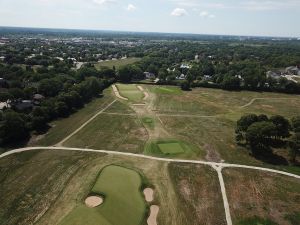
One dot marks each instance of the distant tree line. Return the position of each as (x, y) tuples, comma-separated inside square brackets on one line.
[(64, 93)]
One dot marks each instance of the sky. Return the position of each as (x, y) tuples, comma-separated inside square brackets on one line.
[(229, 17)]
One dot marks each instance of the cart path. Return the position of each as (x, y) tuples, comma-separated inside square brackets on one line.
[(86, 123), (255, 99)]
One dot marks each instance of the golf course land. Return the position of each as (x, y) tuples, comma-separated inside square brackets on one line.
[(123, 202), (116, 63), (179, 144)]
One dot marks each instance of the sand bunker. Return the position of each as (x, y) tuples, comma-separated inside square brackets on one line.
[(93, 201), (148, 192), (117, 93), (146, 95), (153, 215)]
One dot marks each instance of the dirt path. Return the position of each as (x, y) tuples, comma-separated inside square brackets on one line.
[(83, 125), (117, 93), (154, 209), (255, 99)]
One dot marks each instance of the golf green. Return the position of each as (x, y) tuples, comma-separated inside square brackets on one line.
[(123, 201), (171, 148)]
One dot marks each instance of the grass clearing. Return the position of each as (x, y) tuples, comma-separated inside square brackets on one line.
[(167, 90), (110, 132), (199, 194), (123, 202), (170, 148), (131, 92), (268, 196), (116, 63), (63, 127)]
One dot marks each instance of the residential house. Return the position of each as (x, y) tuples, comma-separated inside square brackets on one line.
[(37, 99), (292, 70), (149, 75), (181, 77), (274, 75)]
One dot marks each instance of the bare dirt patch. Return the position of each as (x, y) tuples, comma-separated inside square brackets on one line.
[(154, 209), (117, 93), (93, 201), (211, 154), (148, 192)]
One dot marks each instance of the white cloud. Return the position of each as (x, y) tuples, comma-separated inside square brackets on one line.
[(179, 12), (204, 14), (207, 15), (102, 2), (131, 7)]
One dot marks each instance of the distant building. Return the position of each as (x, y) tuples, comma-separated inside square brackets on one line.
[(4, 105), (23, 105), (207, 77), (185, 66), (37, 99), (274, 75), (181, 77), (149, 75), (292, 70), (2, 58)]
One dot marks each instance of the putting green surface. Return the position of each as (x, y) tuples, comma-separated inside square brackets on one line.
[(131, 92), (171, 148), (123, 200)]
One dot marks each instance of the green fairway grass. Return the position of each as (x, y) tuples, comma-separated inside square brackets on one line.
[(123, 202), (131, 92), (170, 148), (149, 122), (116, 63)]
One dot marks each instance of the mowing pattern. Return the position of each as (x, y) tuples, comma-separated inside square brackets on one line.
[(123, 201)]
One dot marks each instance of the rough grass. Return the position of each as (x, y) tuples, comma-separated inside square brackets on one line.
[(45, 186), (116, 63), (110, 132), (123, 203), (31, 182), (131, 92), (63, 127), (256, 221), (167, 90), (268, 196), (199, 194)]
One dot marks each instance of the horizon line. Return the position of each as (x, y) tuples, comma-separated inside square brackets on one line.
[(150, 32)]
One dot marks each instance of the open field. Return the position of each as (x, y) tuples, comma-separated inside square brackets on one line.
[(121, 133), (123, 201), (253, 195), (199, 194), (54, 183), (116, 63)]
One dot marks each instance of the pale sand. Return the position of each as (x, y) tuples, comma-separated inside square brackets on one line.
[(93, 201), (117, 93), (148, 192), (153, 215), (146, 95)]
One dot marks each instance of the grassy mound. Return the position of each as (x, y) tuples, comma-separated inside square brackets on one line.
[(123, 201)]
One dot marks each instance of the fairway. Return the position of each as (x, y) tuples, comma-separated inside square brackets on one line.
[(116, 63), (131, 92), (123, 201), (170, 148)]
